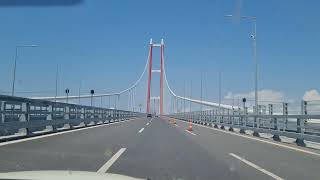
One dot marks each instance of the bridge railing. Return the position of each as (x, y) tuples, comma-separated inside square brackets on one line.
[(302, 126), (29, 116)]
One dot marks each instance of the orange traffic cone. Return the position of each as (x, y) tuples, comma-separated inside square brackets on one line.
[(174, 121), (190, 126)]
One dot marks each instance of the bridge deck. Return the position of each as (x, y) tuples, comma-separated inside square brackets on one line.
[(162, 151)]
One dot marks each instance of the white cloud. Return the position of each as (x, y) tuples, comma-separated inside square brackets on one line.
[(311, 95), (265, 96)]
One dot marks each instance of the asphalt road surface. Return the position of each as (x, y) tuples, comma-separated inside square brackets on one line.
[(157, 149)]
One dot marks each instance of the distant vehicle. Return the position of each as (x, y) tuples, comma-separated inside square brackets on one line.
[(149, 115)]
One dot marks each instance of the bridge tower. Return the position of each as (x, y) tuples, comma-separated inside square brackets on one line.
[(161, 46)]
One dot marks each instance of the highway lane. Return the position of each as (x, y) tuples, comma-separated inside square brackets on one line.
[(285, 162), (84, 150), (156, 149), (162, 152)]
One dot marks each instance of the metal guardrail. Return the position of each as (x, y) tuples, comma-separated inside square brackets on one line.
[(29, 115), (301, 127)]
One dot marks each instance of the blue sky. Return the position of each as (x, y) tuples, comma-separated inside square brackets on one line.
[(104, 43)]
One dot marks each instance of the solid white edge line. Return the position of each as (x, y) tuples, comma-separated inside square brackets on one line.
[(191, 132), (141, 130), (256, 167), (112, 160), (58, 133), (261, 140)]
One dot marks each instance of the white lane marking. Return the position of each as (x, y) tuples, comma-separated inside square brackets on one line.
[(176, 125), (147, 124), (109, 163), (256, 167), (141, 130), (261, 140), (190, 132), (57, 133)]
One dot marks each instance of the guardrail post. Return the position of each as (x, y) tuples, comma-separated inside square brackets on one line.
[(259, 113), (86, 115), (50, 110), (285, 112), (245, 118), (2, 115), (300, 124), (122, 116), (197, 116), (215, 118), (239, 113), (257, 122), (242, 119), (104, 116), (211, 117), (203, 119), (273, 121), (66, 112), (2, 111), (206, 117), (24, 114), (83, 113), (117, 115), (231, 119), (49, 115), (222, 119), (111, 115), (25, 117)]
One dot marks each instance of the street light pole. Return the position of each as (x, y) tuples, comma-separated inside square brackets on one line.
[(15, 65), (254, 39), (14, 71), (55, 97), (219, 92), (67, 92), (92, 93), (184, 100), (190, 95), (79, 92)]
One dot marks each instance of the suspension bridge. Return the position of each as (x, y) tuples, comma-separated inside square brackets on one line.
[(219, 140)]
